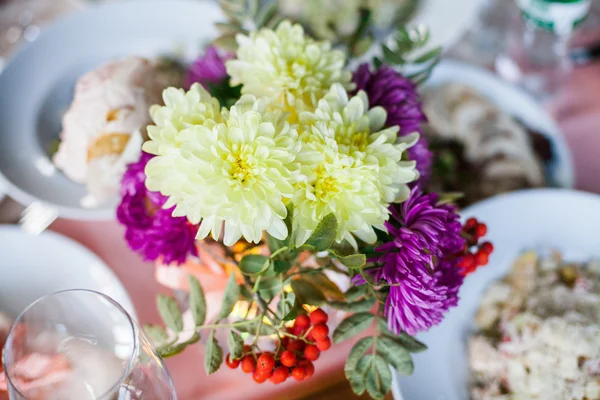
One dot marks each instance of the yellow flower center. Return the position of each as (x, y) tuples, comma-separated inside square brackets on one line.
[(358, 141), (242, 170), (326, 186)]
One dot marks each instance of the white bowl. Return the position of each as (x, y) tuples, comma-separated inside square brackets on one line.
[(543, 219), (34, 266), (517, 103), (37, 85)]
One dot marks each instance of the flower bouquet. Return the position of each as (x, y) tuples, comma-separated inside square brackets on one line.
[(305, 180)]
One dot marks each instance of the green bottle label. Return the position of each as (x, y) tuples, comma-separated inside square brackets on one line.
[(560, 16)]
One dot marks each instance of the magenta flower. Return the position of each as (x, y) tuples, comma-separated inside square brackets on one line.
[(418, 262), (399, 97), (209, 69), (151, 230)]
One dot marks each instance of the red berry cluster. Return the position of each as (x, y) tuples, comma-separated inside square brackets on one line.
[(294, 357), (476, 253)]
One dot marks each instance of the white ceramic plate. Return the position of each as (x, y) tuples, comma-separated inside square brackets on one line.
[(446, 20), (517, 103), (34, 266), (37, 85), (543, 219)]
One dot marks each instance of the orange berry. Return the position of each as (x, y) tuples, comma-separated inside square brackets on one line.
[(471, 223), (232, 363), (279, 375), (467, 262), (324, 344), (248, 364), (299, 373), (481, 258), (310, 369), (318, 317), (296, 345), (302, 321), (265, 362), (311, 352), (480, 230), (260, 377), (487, 247), (320, 332), (288, 358)]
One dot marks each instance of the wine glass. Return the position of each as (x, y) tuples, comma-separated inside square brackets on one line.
[(80, 345)]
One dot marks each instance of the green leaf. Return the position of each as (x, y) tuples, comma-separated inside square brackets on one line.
[(232, 293), (428, 56), (197, 301), (357, 306), (235, 343), (281, 267), (254, 264), (226, 42), (253, 6), (213, 355), (286, 303), (325, 285), (265, 14), (270, 287), (358, 376), (229, 28), (351, 326), (391, 56), (169, 312), (449, 197), (352, 261), (324, 235), (252, 327), (174, 349), (396, 355), (275, 244), (379, 379), (307, 293), (354, 292), (358, 350), (156, 333), (405, 340), (292, 315)]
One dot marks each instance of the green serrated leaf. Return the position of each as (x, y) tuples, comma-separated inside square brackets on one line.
[(292, 315), (352, 261), (325, 285), (226, 42), (270, 287), (173, 350), (254, 264), (235, 343), (232, 293), (359, 376), (156, 333), (265, 14), (391, 56), (197, 301), (351, 326), (396, 355), (379, 379), (307, 293), (169, 312), (357, 306), (275, 244), (281, 267), (252, 327), (354, 292), (358, 350), (286, 304), (429, 55), (362, 46), (227, 28), (213, 355), (405, 340), (324, 235)]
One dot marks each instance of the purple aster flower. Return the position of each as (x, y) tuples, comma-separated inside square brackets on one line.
[(151, 230), (418, 262), (207, 69), (399, 97)]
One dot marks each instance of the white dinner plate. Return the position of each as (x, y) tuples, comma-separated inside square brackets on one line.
[(36, 87), (543, 219), (34, 266), (517, 103)]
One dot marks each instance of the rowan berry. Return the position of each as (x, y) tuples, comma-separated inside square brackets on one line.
[(232, 362), (299, 373), (311, 352), (288, 358), (265, 362), (319, 332), (248, 364), (318, 317), (324, 344)]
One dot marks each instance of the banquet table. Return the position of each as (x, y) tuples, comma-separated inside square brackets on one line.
[(577, 110)]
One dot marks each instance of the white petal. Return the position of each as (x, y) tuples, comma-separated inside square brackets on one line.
[(278, 229)]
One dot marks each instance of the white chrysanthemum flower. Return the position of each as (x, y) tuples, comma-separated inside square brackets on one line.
[(181, 110), (233, 176), (330, 183), (359, 134), (286, 67)]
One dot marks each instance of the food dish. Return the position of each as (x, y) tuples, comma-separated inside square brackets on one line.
[(37, 85), (499, 138), (539, 332), (539, 219), (34, 266)]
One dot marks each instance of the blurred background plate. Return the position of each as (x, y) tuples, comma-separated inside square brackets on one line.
[(520, 105), (37, 85), (34, 266), (541, 220)]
